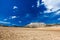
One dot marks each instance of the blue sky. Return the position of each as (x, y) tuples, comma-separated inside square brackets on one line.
[(23, 12), (17, 12)]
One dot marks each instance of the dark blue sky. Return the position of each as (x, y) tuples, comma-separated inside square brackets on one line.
[(23, 12)]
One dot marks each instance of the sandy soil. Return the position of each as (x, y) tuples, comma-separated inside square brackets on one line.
[(13, 33)]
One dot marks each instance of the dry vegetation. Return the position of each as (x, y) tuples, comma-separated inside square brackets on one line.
[(13, 33)]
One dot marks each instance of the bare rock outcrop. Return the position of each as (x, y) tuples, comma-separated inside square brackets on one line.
[(35, 25)]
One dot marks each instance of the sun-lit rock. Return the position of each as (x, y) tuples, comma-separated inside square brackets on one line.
[(35, 25)]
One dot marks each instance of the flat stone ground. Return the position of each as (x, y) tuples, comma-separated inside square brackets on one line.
[(16, 33)]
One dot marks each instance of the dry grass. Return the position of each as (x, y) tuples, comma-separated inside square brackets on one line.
[(11, 33)]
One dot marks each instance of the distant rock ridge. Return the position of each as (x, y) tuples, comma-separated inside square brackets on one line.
[(41, 24), (35, 25)]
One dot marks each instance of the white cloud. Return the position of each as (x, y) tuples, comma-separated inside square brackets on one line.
[(32, 5), (48, 11), (58, 19), (5, 19), (12, 17), (15, 7), (52, 4), (57, 13), (4, 22), (38, 3)]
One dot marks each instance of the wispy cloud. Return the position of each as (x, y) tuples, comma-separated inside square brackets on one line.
[(12, 17), (4, 22), (15, 7), (38, 3)]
